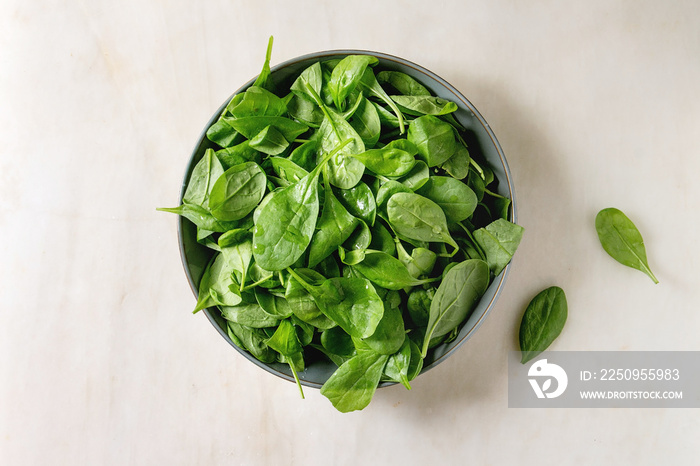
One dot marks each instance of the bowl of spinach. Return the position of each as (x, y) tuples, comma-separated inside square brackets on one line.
[(347, 219)]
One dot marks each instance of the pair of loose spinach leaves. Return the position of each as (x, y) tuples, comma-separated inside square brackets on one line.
[(348, 220), (546, 314)]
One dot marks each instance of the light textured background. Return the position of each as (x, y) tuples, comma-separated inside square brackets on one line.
[(595, 104)]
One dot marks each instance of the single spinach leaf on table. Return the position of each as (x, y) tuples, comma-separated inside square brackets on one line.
[(542, 322), (456, 296), (622, 240)]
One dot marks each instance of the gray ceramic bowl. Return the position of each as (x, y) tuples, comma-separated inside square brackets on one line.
[(482, 140)]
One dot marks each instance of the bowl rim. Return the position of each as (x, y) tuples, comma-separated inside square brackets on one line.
[(327, 54)]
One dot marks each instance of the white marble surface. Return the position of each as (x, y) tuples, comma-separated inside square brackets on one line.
[(595, 104)]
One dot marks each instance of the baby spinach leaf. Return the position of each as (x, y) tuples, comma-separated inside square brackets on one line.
[(287, 169), (386, 271), (346, 75), (250, 126), (390, 333), (286, 342), (499, 240), (302, 304), (387, 161), (305, 155), (359, 201), (371, 87), (420, 262), (434, 139), (252, 340), (333, 228), (201, 217), (360, 238), (286, 223), (424, 105), (402, 82), (419, 218), (263, 79), (258, 101), (305, 111), (336, 341), (417, 176), (457, 166), (542, 322), (352, 386), (237, 192), (352, 303), (622, 240), (344, 172), (418, 306), (224, 133), (203, 177), (382, 240), (238, 253), (235, 155), (365, 120), (455, 198), (250, 315), (456, 296), (269, 141), (388, 189), (397, 365), (311, 77), (220, 283), (273, 305)]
